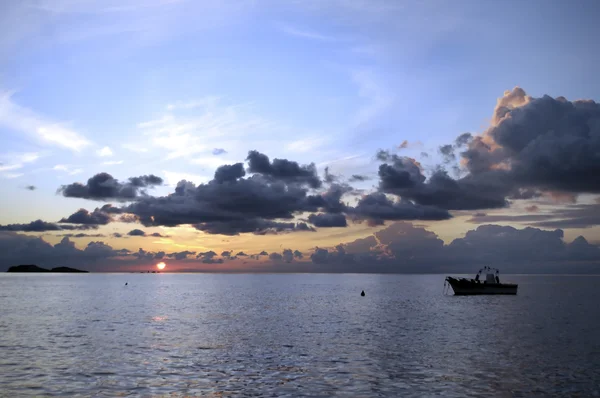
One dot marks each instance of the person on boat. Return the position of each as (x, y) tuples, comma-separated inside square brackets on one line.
[(477, 278)]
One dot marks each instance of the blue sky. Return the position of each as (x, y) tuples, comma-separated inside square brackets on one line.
[(155, 86)]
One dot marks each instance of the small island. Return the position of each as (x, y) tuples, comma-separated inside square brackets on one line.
[(35, 268)]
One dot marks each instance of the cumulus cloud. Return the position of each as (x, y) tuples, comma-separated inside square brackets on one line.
[(24, 249), (528, 148), (104, 152), (402, 247), (283, 169), (136, 232), (219, 151), (103, 186)]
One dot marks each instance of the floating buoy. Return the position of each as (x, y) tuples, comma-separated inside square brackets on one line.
[(362, 293), (125, 283)]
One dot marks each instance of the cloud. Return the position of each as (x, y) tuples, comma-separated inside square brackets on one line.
[(31, 187), (136, 232), (527, 149), (305, 34), (112, 162), (68, 169), (82, 235), (13, 162), (103, 186), (327, 220), (43, 226), (275, 257), (209, 258), (218, 151), (23, 120), (99, 216), (181, 136), (24, 249), (104, 152), (377, 99), (402, 247), (377, 208), (283, 169), (358, 178)]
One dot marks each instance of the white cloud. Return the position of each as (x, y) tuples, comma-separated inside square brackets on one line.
[(105, 152), (376, 96), (306, 144), (173, 177), (12, 175), (202, 102), (303, 33), (134, 148), (68, 169), (10, 162), (216, 126), (15, 117), (112, 162)]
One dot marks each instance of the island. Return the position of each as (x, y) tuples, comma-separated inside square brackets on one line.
[(35, 268)]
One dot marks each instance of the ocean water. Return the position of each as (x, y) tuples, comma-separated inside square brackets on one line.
[(295, 335)]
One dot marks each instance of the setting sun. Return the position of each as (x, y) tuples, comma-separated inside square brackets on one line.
[(161, 265)]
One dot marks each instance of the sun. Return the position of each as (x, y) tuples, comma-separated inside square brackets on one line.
[(161, 265)]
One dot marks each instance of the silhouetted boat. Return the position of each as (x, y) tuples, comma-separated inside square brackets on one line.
[(491, 284)]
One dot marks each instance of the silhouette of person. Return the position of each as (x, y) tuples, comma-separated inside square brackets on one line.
[(362, 293)]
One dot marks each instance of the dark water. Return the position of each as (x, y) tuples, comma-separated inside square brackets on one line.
[(295, 335)]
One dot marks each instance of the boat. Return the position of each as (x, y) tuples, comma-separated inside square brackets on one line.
[(491, 284)]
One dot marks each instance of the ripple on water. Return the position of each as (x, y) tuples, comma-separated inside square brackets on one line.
[(295, 335)]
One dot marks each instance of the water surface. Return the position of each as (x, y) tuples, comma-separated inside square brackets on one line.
[(295, 335)]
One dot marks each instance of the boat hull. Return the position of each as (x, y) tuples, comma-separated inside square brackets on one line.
[(465, 287)]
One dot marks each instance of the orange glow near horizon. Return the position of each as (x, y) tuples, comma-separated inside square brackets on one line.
[(161, 266)]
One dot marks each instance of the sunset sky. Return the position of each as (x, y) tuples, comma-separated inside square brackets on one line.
[(329, 135)]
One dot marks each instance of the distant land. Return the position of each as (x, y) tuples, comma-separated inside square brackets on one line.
[(35, 268)]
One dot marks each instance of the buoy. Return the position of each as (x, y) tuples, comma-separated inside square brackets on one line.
[(362, 293), (125, 283)]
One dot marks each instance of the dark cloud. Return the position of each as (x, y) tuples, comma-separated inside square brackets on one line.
[(136, 232), (298, 254), (232, 203), (229, 173), (403, 247), (219, 151), (181, 255), (31, 187), (158, 235), (82, 216), (83, 235), (263, 253), (377, 206), (283, 169), (358, 178), (43, 226), (241, 254), (103, 186), (257, 226), (325, 220), (209, 258), (529, 149), (275, 257), (117, 235), (24, 249), (575, 216)]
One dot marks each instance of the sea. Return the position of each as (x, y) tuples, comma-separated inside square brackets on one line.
[(295, 335)]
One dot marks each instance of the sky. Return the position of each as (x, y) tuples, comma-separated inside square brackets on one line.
[(300, 136)]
